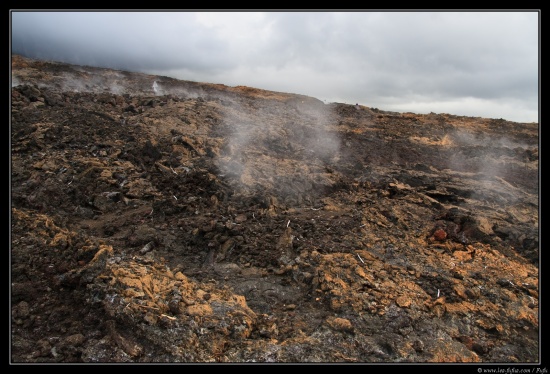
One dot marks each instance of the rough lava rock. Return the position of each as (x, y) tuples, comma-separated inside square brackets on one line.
[(169, 221)]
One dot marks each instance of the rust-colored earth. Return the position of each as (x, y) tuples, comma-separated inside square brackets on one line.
[(168, 221)]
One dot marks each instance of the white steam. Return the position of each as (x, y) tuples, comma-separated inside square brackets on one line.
[(279, 146), (492, 160)]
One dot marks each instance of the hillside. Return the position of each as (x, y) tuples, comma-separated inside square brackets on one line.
[(161, 220)]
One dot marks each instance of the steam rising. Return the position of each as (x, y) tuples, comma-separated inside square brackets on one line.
[(285, 145), (493, 160), (282, 146)]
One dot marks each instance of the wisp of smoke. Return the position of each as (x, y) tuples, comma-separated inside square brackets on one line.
[(280, 146)]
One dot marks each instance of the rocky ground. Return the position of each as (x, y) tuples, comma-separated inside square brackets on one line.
[(168, 221)]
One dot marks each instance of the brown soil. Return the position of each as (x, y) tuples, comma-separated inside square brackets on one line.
[(160, 220)]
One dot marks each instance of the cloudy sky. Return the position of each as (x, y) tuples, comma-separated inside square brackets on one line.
[(471, 63)]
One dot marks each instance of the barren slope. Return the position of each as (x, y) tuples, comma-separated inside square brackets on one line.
[(157, 220)]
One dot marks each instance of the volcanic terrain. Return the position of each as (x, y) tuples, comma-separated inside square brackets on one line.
[(170, 221)]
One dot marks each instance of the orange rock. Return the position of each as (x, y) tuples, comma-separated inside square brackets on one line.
[(440, 235), (340, 324), (403, 301)]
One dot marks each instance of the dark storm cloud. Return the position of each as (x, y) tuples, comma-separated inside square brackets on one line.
[(467, 63), (137, 40)]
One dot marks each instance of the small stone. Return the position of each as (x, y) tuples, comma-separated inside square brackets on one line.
[(240, 218), (403, 301), (418, 345), (440, 235), (340, 324)]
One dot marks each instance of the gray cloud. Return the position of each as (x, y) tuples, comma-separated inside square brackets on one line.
[(466, 63)]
